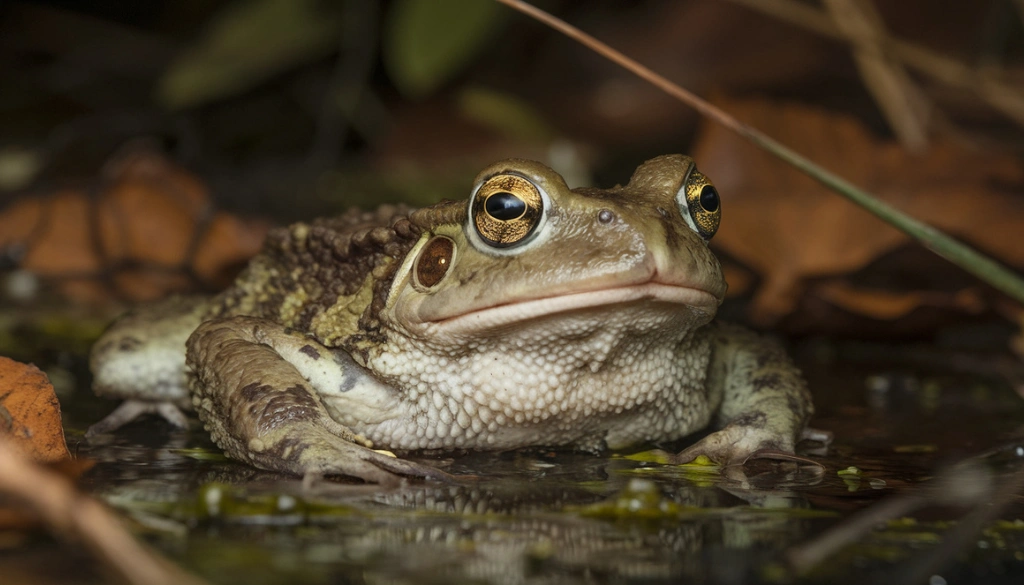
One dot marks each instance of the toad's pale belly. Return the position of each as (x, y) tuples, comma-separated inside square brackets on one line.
[(592, 379)]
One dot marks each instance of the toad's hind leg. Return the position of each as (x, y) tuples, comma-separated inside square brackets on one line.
[(260, 409), (140, 359), (765, 403)]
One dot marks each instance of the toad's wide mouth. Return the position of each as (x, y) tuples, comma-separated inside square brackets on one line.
[(499, 316)]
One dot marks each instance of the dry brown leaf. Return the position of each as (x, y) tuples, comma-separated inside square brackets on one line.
[(140, 228), (30, 413), (789, 229), (888, 305)]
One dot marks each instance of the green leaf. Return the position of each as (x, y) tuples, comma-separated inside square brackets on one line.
[(428, 41), (247, 43), (504, 113)]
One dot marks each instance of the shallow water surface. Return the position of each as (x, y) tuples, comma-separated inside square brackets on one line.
[(551, 517)]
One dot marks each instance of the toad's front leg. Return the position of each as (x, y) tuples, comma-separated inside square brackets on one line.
[(264, 409), (765, 403)]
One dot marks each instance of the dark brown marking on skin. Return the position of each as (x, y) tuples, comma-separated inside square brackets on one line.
[(295, 444), (310, 351), (292, 404), (754, 420), (468, 277), (793, 404), (255, 391), (359, 353), (305, 318), (766, 356), (324, 261), (128, 344), (766, 381)]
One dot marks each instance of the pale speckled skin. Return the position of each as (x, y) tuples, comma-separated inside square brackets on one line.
[(594, 333)]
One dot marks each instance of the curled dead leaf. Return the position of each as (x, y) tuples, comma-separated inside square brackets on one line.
[(792, 231), (29, 412), (149, 231), (888, 305)]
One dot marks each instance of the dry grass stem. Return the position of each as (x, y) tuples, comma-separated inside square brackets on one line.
[(956, 252), (1005, 99), (967, 484), (905, 108), (82, 520), (804, 558)]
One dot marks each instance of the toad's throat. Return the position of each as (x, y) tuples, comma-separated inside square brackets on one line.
[(499, 316)]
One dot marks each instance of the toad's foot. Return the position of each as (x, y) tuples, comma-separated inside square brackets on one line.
[(735, 444), (313, 449), (129, 410), (262, 410)]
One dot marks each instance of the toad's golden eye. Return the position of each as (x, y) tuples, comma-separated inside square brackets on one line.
[(434, 261), (506, 210), (700, 205)]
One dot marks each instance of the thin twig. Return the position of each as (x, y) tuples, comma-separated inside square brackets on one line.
[(968, 483), (805, 557), (956, 252), (943, 69), (964, 534), (905, 109), (82, 520)]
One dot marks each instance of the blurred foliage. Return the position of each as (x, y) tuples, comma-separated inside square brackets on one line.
[(292, 109), (426, 42), (18, 167), (245, 44), (504, 113)]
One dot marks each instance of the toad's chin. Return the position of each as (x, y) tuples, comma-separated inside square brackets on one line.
[(650, 296)]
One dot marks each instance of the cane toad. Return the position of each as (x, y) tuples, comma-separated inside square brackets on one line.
[(529, 315)]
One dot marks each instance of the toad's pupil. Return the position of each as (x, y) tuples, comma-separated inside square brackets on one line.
[(709, 198), (505, 206)]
